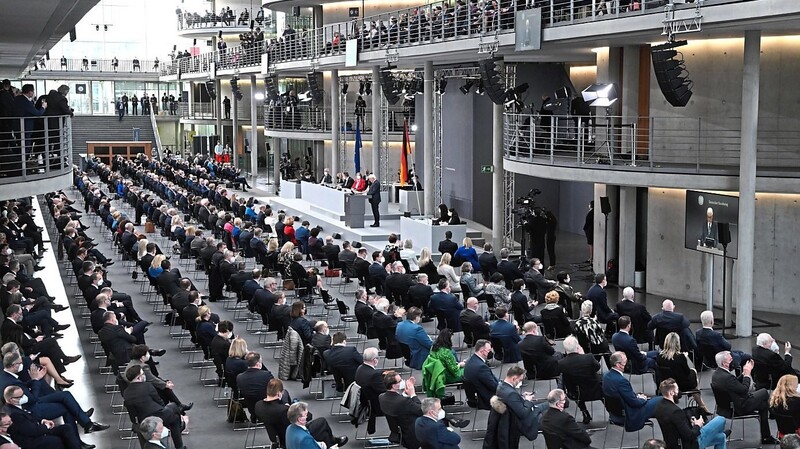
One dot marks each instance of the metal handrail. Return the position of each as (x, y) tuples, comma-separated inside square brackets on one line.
[(646, 143), (99, 65), (308, 117), (35, 148), (192, 20), (157, 142)]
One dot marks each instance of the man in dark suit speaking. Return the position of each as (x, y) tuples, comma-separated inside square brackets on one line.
[(374, 196), (710, 236)]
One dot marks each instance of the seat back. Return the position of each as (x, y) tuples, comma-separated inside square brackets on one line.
[(707, 354), (723, 401), (787, 424), (406, 350), (497, 348), (388, 341), (614, 407)]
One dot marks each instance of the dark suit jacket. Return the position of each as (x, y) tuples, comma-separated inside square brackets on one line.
[(666, 322), (739, 391), (507, 334), (169, 281), (361, 268), (770, 363), (536, 349), (510, 271), (434, 434), (712, 338), (581, 370), (448, 246), (262, 302), (28, 431), (345, 360), (145, 261), (252, 384), (142, 400), (488, 264), (525, 414), (627, 344), (617, 386), (675, 427), (480, 328), (420, 294), (273, 415), (405, 412), (117, 342), (371, 382), (480, 375), (450, 307), (364, 313), (597, 295), (373, 192), (561, 431), (640, 318), (13, 332)]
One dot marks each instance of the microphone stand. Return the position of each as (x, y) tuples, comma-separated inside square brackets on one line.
[(419, 205)]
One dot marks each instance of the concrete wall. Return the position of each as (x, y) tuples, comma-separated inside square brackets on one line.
[(676, 272)]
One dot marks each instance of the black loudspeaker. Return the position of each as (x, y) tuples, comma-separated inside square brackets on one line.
[(271, 84), (492, 80), (336, 236), (605, 205), (295, 11), (194, 42), (356, 245), (388, 87), (315, 86), (724, 231), (670, 69), (73, 36), (211, 89)]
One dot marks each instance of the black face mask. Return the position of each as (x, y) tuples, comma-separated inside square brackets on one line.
[(490, 356)]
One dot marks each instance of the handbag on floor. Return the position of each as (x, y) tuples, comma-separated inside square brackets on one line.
[(236, 412)]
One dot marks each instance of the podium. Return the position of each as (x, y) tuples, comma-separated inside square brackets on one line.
[(354, 208)]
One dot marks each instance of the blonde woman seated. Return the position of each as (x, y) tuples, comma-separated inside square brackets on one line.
[(409, 255), (785, 399), (677, 363), (155, 266), (425, 265), (446, 271)]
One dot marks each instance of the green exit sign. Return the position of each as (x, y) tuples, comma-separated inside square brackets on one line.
[(487, 169)]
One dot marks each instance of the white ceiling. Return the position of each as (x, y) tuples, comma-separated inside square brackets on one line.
[(29, 28)]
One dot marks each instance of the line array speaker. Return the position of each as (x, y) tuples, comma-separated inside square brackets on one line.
[(492, 80), (388, 86), (315, 86), (671, 73)]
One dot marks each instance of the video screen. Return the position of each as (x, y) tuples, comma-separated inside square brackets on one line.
[(704, 212)]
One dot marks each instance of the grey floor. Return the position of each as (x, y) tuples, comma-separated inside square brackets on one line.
[(208, 427)]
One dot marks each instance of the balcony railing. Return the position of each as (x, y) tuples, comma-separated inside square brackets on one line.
[(35, 148), (671, 144), (228, 19), (312, 118), (99, 65)]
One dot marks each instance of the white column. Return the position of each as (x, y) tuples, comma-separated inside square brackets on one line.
[(335, 122), (498, 190), (377, 122), (428, 156), (627, 235), (253, 129), (235, 126), (747, 182), (217, 105), (278, 149)]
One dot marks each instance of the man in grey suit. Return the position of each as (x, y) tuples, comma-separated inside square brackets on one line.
[(374, 195), (152, 430)]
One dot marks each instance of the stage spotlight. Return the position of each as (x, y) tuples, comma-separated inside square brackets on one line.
[(259, 96), (480, 90), (466, 87), (442, 85), (361, 88), (367, 88), (345, 86), (521, 89)]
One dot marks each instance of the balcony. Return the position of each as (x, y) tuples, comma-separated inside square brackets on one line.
[(38, 155), (283, 121), (195, 25), (650, 151), (232, 59), (96, 69), (207, 111)]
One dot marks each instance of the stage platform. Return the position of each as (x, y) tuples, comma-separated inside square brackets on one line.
[(374, 239)]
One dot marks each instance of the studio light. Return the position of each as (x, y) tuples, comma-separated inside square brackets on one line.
[(361, 87), (367, 88), (479, 90), (259, 96), (600, 95), (466, 87), (345, 86), (442, 85)]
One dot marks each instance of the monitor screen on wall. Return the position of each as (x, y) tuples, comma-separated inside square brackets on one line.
[(704, 213)]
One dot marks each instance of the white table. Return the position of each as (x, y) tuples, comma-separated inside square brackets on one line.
[(423, 233), (332, 200), (412, 201), (290, 190)]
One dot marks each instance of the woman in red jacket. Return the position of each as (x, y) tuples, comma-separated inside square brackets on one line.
[(361, 184), (288, 230)]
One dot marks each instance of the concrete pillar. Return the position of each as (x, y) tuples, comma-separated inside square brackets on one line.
[(190, 102), (498, 190), (601, 233), (89, 93), (377, 123), (629, 90), (278, 149), (235, 117), (253, 129), (219, 111), (318, 16), (335, 123), (428, 156), (627, 234), (747, 182)]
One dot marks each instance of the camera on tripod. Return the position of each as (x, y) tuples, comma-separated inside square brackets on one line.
[(527, 207)]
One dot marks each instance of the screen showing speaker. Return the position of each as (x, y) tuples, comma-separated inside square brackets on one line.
[(711, 222)]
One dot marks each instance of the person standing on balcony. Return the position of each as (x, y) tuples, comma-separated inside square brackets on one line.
[(145, 104), (154, 103), (155, 65), (226, 103), (85, 64), (164, 100), (136, 65), (115, 63), (135, 103)]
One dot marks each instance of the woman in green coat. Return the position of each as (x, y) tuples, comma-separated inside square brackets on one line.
[(442, 350)]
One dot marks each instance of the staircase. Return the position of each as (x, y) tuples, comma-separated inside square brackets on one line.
[(108, 129)]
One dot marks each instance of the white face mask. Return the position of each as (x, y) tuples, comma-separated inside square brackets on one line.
[(518, 385), (164, 433), (402, 385), (441, 415), (19, 368), (23, 400), (775, 347), (798, 388)]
